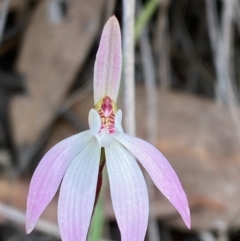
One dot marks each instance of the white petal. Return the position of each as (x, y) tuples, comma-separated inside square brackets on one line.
[(128, 191), (94, 121), (49, 173), (77, 194), (118, 121)]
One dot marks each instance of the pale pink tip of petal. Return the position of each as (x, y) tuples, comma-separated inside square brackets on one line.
[(187, 218), (108, 64), (29, 228), (160, 171)]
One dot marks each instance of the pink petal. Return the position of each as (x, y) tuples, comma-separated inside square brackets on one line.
[(160, 171), (108, 64), (77, 194), (128, 191), (49, 173)]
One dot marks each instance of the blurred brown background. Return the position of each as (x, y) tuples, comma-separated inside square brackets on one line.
[(187, 80)]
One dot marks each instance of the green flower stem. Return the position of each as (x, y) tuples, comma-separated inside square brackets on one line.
[(97, 221)]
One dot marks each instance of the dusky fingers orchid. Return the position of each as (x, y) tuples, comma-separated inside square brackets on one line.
[(78, 160)]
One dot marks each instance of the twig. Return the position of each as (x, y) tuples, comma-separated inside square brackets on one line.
[(220, 45), (76, 96), (237, 16), (227, 27), (128, 65), (14, 215), (150, 81), (221, 230), (213, 28), (224, 89), (198, 67), (3, 14), (151, 120), (206, 236), (162, 45), (228, 37)]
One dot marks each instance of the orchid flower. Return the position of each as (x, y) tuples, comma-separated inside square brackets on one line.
[(77, 160)]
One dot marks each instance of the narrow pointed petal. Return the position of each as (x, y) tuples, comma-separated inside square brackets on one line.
[(49, 173), (94, 122), (128, 191), (118, 121), (160, 171), (77, 194), (108, 64)]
